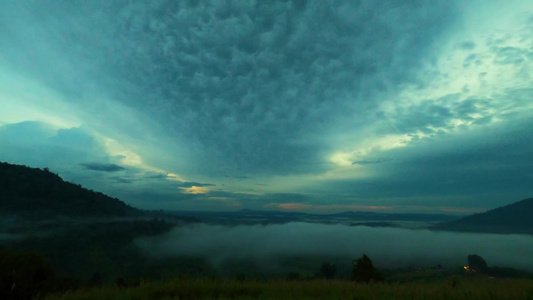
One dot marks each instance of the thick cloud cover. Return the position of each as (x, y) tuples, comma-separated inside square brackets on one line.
[(225, 104), (249, 84)]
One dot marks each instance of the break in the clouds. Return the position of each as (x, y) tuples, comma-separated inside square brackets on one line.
[(225, 104)]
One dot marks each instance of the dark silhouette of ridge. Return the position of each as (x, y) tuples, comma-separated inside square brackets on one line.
[(40, 194), (513, 218)]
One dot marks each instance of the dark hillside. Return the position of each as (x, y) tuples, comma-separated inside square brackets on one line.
[(513, 218), (41, 194)]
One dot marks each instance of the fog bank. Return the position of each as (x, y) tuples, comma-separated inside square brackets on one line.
[(387, 247)]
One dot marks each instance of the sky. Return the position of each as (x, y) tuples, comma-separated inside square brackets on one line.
[(313, 106)]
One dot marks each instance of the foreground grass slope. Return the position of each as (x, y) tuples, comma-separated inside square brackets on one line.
[(452, 288)]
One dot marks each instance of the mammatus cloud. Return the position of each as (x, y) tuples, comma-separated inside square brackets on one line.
[(235, 104), (102, 167), (242, 88)]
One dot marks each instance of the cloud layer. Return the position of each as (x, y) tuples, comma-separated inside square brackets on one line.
[(238, 104)]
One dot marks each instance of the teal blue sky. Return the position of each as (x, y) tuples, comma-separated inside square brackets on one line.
[(316, 106)]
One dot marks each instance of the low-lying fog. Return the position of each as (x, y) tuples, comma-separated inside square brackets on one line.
[(387, 247)]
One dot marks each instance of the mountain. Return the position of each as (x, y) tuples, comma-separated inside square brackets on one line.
[(513, 218), (40, 194)]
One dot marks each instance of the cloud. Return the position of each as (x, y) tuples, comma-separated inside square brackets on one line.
[(369, 162), (481, 167), (195, 190), (509, 55), (301, 96), (188, 184), (41, 145), (241, 88), (102, 167), (66, 151), (123, 180), (467, 45)]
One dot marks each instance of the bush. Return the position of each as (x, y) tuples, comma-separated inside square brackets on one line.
[(327, 271), (364, 271), (23, 275)]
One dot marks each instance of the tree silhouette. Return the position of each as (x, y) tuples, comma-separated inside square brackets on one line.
[(327, 270), (23, 275), (96, 280), (477, 263), (364, 271)]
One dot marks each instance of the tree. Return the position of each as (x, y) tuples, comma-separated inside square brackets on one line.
[(327, 270), (96, 280), (23, 275), (363, 270), (477, 263)]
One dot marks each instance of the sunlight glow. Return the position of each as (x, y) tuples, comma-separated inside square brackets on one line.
[(195, 190), (128, 157), (174, 177), (24, 99), (371, 146)]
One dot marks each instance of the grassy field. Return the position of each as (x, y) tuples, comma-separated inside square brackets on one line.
[(451, 288)]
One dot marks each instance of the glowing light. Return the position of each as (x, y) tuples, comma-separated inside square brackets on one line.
[(174, 177), (341, 159), (388, 142), (128, 157), (195, 190)]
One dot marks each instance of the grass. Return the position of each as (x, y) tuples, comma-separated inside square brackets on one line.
[(451, 288)]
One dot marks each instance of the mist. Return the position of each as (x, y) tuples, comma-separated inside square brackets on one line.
[(389, 248)]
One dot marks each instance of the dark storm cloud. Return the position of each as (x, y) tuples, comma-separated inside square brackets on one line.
[(208, 97), (165, 178), (160, 176), (102, 167), (244, 87), (123, 180), (374, 161), (191, 184)]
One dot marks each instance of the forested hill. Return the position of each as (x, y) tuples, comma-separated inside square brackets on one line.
[(39, 194), (513, 218)]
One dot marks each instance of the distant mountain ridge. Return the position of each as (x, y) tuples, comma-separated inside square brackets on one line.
[(352, 218), (513, 218), (40, 194)]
